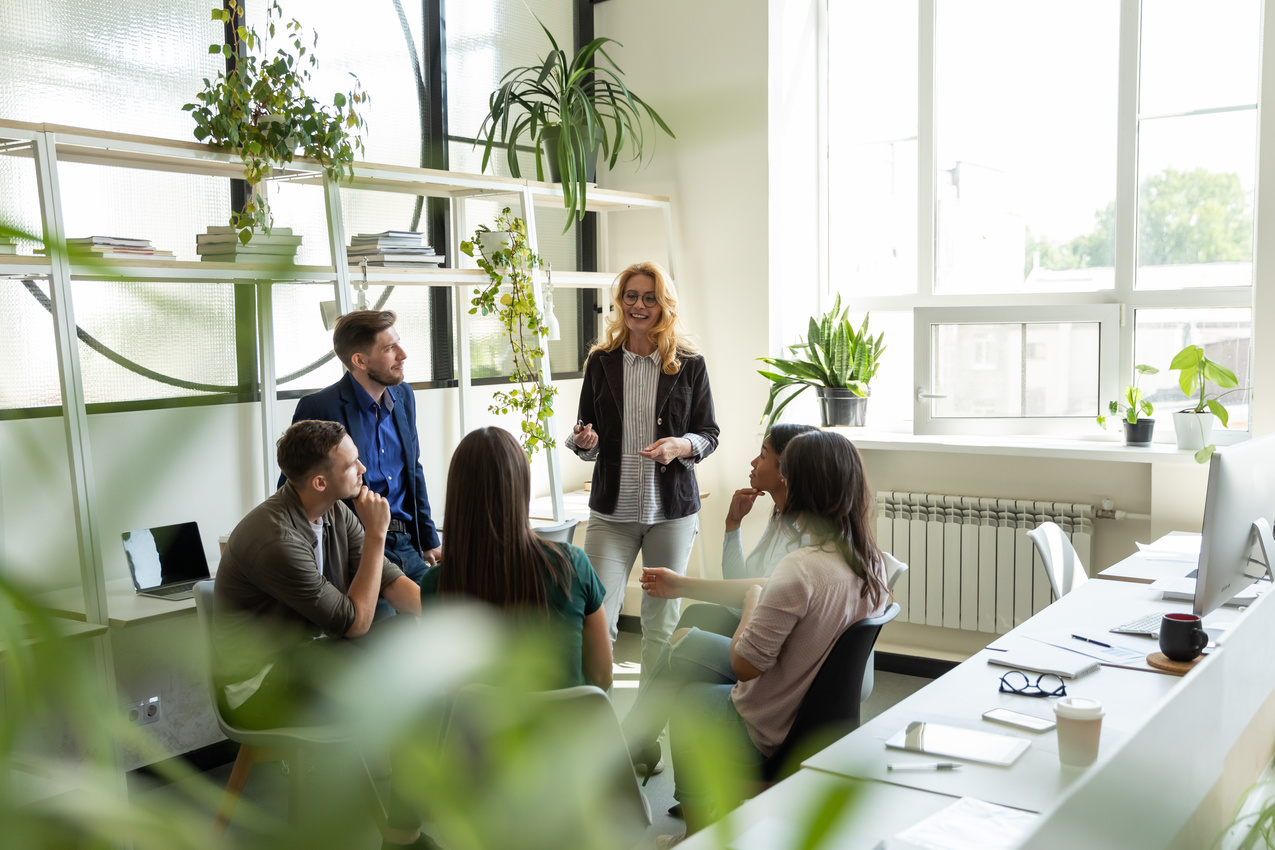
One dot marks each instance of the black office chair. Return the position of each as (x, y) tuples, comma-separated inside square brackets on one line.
[(830, 709)]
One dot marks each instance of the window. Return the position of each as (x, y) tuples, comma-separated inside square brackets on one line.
[(1052, 191)]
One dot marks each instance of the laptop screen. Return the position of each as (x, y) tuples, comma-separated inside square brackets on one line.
[(166, 554)]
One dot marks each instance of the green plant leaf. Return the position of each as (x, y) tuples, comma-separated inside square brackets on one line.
[(1219, 374), (1203, 455), (1219, 410)]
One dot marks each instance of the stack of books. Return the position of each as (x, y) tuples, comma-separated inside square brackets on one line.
[(221, 245), (114, 248), (392, 248), (8, 245)]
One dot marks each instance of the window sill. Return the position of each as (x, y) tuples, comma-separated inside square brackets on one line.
[(1042, 447)]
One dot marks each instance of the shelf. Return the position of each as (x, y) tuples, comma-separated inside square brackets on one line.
[(174, 271)]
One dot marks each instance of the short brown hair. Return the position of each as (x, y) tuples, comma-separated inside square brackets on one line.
[(306, 446), (356, 332)]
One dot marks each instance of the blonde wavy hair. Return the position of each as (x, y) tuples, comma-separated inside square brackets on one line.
[(668, 336)]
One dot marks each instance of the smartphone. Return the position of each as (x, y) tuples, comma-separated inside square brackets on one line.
[(1022, 721)]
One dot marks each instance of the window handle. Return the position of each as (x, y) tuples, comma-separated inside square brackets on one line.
[(920, 394)]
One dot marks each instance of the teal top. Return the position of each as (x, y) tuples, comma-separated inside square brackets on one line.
[(567, 608)]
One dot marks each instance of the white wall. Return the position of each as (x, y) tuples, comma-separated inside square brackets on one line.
[(702, 66)]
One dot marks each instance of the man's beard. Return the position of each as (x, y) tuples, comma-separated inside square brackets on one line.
[(386, 378)]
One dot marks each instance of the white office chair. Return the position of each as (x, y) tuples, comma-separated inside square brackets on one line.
[(563, 532), (1064, 569), (894, 570), (258, 745), (554, 758)]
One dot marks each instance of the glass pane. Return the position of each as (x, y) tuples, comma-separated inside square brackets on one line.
[(485, 39), (1225, 335), (106, 66), (365, 211), (27, 348), (155, 340), (35, 490), (1195, 201), (1196, 60), (872, 80), (891, 401), (1016, 370), (303, 347), (1026, 135)]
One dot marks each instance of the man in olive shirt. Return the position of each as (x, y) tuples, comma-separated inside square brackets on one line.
[(299, 575)]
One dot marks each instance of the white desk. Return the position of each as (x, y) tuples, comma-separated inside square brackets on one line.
[(769, 821), (124, 607), (1140, 569)]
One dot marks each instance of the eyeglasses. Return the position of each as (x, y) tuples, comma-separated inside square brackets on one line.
[(1046, 685), (649, 299)]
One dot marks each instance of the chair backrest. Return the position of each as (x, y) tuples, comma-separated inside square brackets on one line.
[(894, 570), (204, 608), (830, 709), (570, 735), (1063, 567), (563, 532)]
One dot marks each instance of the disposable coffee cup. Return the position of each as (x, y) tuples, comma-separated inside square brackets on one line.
[(1079, 727)]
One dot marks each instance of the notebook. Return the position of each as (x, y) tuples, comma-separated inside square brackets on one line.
[(1045, 659), (166, 561)]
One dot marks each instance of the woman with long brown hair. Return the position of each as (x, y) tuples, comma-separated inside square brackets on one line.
[(495, 556), (752, 683), (646, 418)]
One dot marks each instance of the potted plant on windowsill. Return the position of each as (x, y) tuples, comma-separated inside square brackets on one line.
[(1134, 410), (261, 111), (1194, 426), (838, 361), (568, 108)]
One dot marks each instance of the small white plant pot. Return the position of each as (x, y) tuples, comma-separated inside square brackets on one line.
[(491, 241), (1194, 430)]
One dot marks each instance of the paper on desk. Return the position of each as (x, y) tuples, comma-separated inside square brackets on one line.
[(1114, 654), (1172, 548), (967, 824), (1183, 589)]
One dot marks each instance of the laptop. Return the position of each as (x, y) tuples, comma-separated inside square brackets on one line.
[(166, 561)]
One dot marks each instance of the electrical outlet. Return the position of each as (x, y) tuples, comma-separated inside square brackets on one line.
[(143, 711)]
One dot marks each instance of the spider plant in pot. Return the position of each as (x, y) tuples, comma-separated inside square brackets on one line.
[(1194, 425), (568, 108), (836, 360), (1134, 410)]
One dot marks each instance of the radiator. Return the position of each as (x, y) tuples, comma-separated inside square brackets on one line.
[(970, 562)]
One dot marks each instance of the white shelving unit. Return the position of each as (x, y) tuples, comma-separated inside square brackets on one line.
[(51, 145)]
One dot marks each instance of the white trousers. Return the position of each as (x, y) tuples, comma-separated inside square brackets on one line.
[(613, 548)]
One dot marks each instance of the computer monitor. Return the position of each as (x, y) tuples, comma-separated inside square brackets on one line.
[(1238, 512)]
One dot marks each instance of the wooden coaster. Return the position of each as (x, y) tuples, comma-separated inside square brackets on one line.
[(1160, 661)]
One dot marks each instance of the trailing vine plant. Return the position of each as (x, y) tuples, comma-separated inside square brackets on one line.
[(262, 112), (504, 255)]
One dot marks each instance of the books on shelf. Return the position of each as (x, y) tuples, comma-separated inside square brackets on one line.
[(113, 248), (392, 248), (8, 245), (221, 245)]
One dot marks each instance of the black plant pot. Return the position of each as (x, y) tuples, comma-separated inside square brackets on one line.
[(549, 138), (1138, 433), (842, 407)]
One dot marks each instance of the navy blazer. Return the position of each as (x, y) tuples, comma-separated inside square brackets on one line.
[(338, 403), (683, 405)]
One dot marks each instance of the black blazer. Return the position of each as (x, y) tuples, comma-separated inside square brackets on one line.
[(683, 405), (339, 403)]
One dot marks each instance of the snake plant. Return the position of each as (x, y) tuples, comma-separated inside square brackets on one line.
[(834, 355)]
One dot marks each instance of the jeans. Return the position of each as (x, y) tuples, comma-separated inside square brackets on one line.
[(711, 618), (691, 685), (401, 550), (613, 548)]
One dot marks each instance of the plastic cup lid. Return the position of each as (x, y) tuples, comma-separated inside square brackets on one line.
[(1078, 708)]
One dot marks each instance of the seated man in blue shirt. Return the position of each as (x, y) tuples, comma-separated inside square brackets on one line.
[(379, 411)]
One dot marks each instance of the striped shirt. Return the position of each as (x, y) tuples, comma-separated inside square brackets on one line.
[(639, 497)]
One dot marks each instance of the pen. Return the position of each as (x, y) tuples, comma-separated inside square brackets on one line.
[(926, 765), (1091, 640)]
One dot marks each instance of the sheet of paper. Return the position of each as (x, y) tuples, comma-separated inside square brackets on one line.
[(1112, 653), (1172, 548), (967, 824), (1184, 588)]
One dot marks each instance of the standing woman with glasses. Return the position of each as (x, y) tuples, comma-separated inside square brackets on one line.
[(646, 418)]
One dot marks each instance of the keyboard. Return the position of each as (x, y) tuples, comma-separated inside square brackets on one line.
[(173, 591), (1147, 624)]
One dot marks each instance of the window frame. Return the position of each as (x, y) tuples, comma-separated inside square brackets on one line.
[(1125, 297)]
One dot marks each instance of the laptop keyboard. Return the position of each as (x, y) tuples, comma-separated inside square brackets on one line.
[(1148, 624), (173, 590)]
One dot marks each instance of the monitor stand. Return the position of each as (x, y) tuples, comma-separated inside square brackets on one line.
[(1265, 541)]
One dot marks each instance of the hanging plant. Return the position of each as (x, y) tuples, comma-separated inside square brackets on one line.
[(261, 111), (504, 255)]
